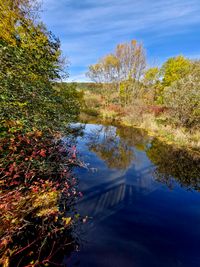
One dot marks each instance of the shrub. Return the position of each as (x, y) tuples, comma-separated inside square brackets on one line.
[(183, 98), (91, 112), (37, 194)]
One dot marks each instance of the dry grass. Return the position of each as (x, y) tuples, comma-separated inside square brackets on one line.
[(108, 114), (93, 100), (139, 115)]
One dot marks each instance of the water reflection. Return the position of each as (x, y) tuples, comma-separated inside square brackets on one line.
[(75, 130), (106, 143), (106, 198), (134, 137), (175, 165), (135, 219), (117, 148)]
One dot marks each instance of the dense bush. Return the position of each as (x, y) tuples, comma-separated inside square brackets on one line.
[(30, 62), (37, 193), (183, 98)]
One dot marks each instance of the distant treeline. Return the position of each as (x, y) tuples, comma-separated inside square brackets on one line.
[(95, 87)]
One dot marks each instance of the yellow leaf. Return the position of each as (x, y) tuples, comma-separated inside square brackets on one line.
[(67, 220)]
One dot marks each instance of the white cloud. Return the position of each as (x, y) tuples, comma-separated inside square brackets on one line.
[(88, 28)]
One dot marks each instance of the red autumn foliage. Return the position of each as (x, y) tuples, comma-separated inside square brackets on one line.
[(117, 108), (157, 110), (42, 153), (35, 167)]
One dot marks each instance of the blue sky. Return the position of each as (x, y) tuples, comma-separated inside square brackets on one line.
[(89, 29)]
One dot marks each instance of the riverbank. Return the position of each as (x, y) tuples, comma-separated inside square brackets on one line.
[(154, 126), (37, 192)]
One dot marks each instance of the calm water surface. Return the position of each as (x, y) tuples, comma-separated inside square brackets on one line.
[(142, 198)]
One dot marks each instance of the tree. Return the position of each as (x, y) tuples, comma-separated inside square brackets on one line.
[(30, 61), (132, 61), (131, 68), (183, 98), (121, 71), (174, 69), (151, 76), (105, 72), (95, 73), (12, 14), (151, 82)]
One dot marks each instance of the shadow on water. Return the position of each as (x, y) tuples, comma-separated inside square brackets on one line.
[(142, 198)]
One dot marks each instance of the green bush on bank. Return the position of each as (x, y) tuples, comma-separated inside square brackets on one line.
[(30, 64)]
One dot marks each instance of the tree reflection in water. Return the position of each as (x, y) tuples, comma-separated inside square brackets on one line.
[(175, 165), (117, 145), (134, 137), (130, 211), (115, 151)]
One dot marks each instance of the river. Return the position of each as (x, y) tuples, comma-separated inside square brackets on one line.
[(141, 197)]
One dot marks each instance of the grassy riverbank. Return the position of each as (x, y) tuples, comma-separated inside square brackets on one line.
[(153, 125)]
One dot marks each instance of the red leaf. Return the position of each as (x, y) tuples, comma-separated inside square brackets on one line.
[(43, 153)]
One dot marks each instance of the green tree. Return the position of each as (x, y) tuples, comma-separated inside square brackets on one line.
[(151, 76), (30, 61), (174, 69), (151, 84)]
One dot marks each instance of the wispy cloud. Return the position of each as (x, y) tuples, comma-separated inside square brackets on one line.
[(88, 29)]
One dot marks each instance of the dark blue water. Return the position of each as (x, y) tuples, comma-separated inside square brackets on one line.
[(142, 199)]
